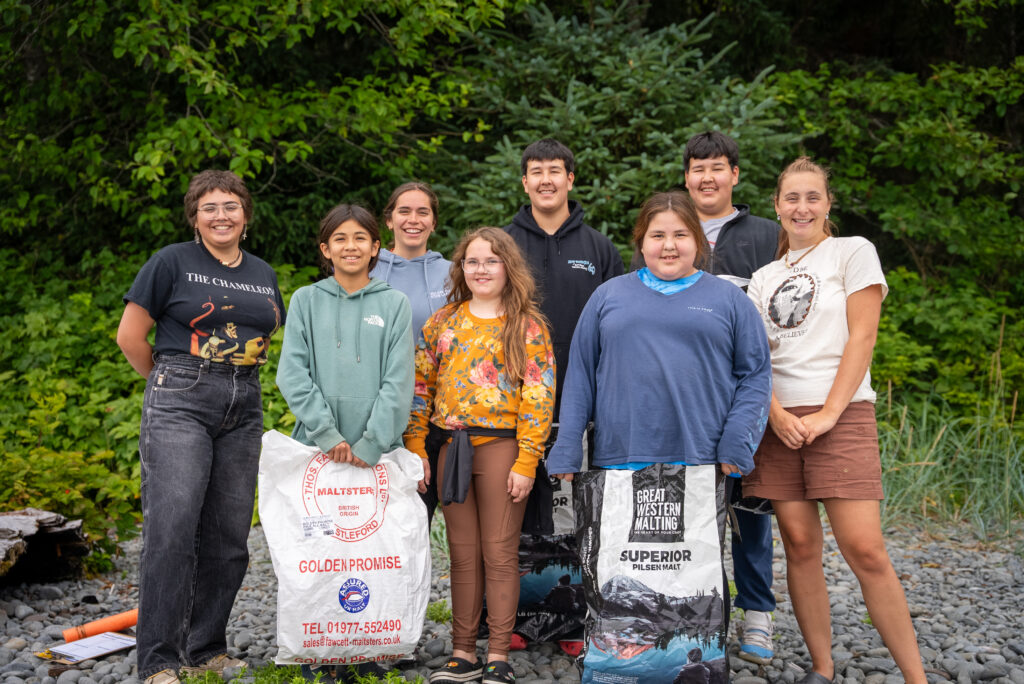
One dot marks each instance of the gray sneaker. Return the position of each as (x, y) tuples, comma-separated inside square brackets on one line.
[(217, 663)]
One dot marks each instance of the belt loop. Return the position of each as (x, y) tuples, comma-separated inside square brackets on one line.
[(206, 365)]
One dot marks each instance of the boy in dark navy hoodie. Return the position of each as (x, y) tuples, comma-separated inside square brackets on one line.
[(740, 244), (569, 259)]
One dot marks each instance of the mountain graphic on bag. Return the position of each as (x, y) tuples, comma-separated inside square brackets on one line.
[(650, 544)]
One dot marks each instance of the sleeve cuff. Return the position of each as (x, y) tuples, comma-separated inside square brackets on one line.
[(328, 439), (367, 451), (417, 445)]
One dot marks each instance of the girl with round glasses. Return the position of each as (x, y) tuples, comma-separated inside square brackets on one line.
[(485, 374)]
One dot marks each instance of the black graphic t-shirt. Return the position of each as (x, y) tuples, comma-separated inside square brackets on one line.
[(206, 309)]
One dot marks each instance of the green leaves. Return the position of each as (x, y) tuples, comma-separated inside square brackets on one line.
[(625, 99), (121, 102)]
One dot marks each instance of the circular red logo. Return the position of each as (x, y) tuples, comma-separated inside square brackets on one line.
[(354, 498)]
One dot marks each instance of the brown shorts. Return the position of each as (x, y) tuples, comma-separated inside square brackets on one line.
[(843, 463)]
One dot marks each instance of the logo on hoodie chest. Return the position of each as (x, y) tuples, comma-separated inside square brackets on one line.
[(374, 319), (582, 265)]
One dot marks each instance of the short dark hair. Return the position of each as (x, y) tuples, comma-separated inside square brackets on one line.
[(338, 215), (545, 149), (210, 180), (709, 145)]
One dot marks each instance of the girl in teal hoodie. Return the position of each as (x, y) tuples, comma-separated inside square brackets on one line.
[(346, 366)]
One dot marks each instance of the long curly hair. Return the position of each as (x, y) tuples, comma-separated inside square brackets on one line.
[(518, 299)]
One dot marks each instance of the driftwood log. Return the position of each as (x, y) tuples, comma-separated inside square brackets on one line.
[(40, 546)]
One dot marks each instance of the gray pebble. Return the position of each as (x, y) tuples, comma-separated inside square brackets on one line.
[(243, 640), (15, 668), (54, 632), (992, 670), (21, 611), (49, 592), (434, 647), (69, 676)]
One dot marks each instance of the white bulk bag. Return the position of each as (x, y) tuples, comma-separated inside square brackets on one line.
[(350, 550)]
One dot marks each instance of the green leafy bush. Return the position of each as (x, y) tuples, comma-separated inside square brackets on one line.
[(69, 422), (68, 427)]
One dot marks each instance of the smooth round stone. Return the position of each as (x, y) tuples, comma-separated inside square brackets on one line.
[(69, 676)]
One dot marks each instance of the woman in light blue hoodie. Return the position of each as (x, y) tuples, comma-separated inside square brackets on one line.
[(409, 267), (346, 367), (419, 274)]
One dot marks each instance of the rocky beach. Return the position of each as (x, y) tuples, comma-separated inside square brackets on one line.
[(967, 603)]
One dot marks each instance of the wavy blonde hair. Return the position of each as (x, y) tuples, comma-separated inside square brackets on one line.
[(518, 298)]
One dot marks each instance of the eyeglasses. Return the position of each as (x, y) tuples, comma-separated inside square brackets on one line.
[(475, 266), (211, 209)]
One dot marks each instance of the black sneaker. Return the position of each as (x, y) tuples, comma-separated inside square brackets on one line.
[(499, 672), (310, 674), (352, 673), (457, 670)]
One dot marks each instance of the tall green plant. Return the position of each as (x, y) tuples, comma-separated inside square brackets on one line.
[(940, 464)]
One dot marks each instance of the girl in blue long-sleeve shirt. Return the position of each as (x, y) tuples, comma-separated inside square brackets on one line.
[(670, 362)]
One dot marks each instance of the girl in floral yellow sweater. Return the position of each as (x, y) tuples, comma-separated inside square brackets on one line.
[(485, 371)]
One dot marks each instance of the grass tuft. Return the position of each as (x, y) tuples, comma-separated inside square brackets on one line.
[(938, 465)]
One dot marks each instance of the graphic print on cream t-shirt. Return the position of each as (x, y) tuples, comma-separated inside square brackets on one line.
[(803, 308), (791, 302)]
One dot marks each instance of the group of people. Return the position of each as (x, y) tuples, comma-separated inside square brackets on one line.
[(529, 343)]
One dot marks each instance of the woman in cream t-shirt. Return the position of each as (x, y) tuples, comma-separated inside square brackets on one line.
[(820, 304)]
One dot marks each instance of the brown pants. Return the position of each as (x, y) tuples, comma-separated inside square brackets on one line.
[(483, 542)]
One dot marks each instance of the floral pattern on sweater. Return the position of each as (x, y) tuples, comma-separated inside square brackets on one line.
[(461, 382)]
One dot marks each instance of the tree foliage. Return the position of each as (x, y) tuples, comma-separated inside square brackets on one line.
[(931, 169), (110, 106), (624, 99)]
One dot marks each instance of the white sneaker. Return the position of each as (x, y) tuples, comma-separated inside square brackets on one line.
[(756, 641)]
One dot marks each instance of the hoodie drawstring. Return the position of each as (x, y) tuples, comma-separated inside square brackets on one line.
[(359, 319), (359, 328)]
